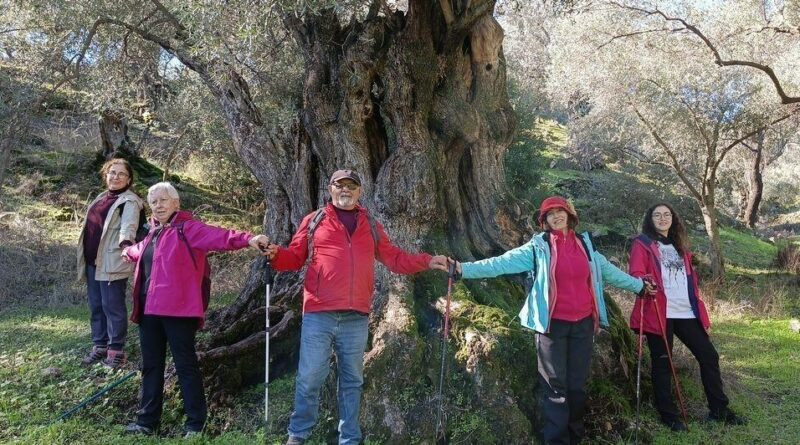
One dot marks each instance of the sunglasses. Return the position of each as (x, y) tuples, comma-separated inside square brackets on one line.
[(348, 186)]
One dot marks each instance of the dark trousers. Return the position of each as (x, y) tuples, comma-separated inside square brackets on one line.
[(154, 334), (695, 338), (564, 357), (108, 313)]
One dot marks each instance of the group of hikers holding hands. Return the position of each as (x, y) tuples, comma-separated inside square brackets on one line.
[(565, 306)]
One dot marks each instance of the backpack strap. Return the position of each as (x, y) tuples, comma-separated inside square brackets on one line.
[(585, 246), (182, 237), (319, 215), (373, 227), (312, 227)]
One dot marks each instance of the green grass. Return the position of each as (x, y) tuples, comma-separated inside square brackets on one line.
[(760, 359), (741, 248), (30, 402)]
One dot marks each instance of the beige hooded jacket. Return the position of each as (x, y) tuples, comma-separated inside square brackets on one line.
[(118, 227)]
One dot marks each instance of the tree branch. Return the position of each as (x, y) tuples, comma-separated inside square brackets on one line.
[(447, 11), (673, 159), (695, 118), (785, 99), (747, 146), (174, 20), (7, 31), (636, 33), (747, 136), (200, 68)]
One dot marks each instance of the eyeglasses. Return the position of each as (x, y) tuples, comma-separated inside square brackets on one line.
[(348, 186), (117, 174), (665, 215)]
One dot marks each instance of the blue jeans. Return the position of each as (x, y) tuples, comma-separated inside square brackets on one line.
[(109, 314), (344, 332)]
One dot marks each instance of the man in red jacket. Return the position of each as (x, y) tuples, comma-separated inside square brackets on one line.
[(341, 242)]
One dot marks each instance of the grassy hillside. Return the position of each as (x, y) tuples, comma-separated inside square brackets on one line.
[(44, 321)]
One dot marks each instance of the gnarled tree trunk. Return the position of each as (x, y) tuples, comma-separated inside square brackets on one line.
[(114, 138), (420, 109)]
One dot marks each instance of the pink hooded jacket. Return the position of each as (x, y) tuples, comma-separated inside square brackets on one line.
[(175, 280)]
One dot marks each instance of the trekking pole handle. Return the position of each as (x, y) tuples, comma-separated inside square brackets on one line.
[(452, 270), (270, 278)]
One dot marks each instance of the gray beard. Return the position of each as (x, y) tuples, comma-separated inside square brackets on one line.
[(343, 202)]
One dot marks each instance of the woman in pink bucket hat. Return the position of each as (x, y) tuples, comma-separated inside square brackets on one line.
[(565, 307)]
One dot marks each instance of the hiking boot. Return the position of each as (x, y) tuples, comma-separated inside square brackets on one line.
[(95, 355), (676, 425), (293, 440), (115, 359), (191, 434), (726, 416), (135, 428)]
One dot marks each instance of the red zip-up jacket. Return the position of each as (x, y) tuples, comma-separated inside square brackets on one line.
[(340, 276), (645, 261)]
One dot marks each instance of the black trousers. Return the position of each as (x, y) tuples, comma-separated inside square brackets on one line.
[(154, 334), (564, 358), (691, 333)]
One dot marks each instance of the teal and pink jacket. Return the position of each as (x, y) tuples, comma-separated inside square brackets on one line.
[(176, 279), (646, 261), (536, 258)]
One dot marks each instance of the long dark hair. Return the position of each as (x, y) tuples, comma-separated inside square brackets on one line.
[(677, 231)]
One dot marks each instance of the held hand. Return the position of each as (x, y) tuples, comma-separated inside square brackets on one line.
[(125, 256), (650, 288), (458, 265), (270, 251), (259, 242), (438, 262)]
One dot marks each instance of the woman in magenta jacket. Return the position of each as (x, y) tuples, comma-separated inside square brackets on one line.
[(169, 304), (661, 251)]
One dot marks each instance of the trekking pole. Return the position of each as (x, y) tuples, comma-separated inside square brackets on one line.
[(269, 280), (672, 367), (94, 397), (639, 371), (451, 273)]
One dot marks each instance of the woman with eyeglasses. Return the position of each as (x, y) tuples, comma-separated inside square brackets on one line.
[(661, 252), (111, 222)]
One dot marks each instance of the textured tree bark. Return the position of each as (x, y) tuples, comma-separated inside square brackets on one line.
[(755, 182), (114, 138), (709, 211)]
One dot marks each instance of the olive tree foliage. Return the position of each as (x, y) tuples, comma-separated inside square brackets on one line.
[(651, 82), (526, 24), (31, 70)]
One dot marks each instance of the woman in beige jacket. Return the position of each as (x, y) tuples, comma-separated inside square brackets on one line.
[(110, 225)]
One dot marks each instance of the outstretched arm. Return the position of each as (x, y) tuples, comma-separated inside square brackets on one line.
[(616, 277), (516, 260), (294, 256), (399, 261)]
